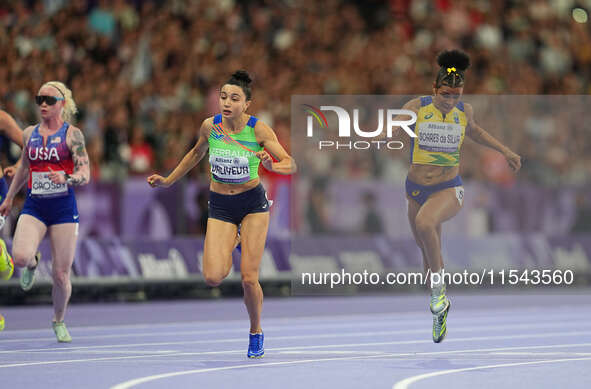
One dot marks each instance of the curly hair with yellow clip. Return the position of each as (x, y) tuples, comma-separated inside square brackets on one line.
[(453, 64)]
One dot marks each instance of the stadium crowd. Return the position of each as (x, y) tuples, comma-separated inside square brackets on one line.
[(146, 73)]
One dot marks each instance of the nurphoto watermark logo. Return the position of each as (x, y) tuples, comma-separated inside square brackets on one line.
[(388, 120)]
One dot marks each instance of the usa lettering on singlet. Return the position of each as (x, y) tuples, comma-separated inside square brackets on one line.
[(43, 154), (440, 137), (46, 156)]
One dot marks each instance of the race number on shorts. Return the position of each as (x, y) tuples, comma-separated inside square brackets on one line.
[(460, 194)]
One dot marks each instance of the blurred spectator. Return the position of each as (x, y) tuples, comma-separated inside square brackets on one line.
[(158, 65), (317, 211), (203, 206), (372, 222), (101, 19), (141, 157), (583, 219), (495, 168)]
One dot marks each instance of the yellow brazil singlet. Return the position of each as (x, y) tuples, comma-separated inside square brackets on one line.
[(439, 138)]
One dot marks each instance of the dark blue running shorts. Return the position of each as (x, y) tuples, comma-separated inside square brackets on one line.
[(233, 208), (52, 210), (420, 193)]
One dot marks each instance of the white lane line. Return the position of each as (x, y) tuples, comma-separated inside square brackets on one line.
[(398, 317), (555, 353), (316, 336), (406, 342), (338, 319), (333, 352), (488, 351), (405, 383), (214, 331), (107, 352), (143, 380)]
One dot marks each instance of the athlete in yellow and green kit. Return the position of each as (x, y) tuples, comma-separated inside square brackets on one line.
[(433, 186)]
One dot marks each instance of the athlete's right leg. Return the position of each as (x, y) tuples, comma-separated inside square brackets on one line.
[(440, 206), (6, 262), (439, 304), (29, 233), (413, 210), (220, 240)]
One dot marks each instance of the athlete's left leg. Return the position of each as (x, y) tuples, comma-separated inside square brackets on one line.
[(413, 210), (63, 239), (253, 236), (6, 269), (440, 206), (6, 262)]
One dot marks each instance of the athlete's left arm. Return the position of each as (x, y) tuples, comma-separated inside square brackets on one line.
[(266, 137), (479, 135), (76, 144)]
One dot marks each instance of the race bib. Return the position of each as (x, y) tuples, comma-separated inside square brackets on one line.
[(230, 170), (440, 137), (41, 185), (460, 194)]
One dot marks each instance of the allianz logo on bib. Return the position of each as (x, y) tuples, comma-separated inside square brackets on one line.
[(43, 154)]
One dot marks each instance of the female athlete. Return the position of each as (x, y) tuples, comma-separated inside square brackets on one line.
[(53, 161), (236, 141), (433, 186)]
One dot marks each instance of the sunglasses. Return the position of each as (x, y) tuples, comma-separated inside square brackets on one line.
[(50, 100)]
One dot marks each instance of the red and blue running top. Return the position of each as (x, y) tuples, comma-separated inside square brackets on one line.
[(46, 155)]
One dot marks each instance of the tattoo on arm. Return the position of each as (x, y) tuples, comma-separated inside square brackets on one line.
[(81, 161)]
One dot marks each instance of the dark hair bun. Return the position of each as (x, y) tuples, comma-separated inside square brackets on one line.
[(454, 58), (242, 75)]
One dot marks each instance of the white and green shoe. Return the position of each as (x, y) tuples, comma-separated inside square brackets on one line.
[(28, 275), (439, 306), (61, 332)]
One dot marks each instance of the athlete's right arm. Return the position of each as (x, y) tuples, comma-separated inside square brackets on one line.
[(189, 161), (10, 129), (411, 105), (20, 177)]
